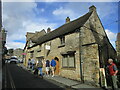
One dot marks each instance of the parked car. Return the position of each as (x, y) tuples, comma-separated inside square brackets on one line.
[(6, 60), (13, 60), (20, 60)]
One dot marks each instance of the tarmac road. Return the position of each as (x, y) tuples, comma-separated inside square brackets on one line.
[(21, 78)]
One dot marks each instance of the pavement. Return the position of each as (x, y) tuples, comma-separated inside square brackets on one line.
[(65, 81)]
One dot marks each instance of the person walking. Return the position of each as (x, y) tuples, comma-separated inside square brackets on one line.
[(33, 63), (47, 67), (29, 60), (53, 64), (113, 73), (39, 64)]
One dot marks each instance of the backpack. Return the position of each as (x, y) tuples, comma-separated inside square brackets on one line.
[(40, 64), (53, 63)]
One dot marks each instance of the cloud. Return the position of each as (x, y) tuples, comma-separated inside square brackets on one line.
[(32, 27), (15, 45), (19, 18), (63, 12), (112, 36)]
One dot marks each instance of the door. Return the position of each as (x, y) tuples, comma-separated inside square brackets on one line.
[(57, 67)]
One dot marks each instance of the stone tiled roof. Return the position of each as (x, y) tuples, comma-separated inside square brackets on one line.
[(118, 37), (64, 29), (37, 35)]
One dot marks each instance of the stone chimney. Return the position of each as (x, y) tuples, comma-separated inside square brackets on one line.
[(92, 8), (48, 30), (67, 20)]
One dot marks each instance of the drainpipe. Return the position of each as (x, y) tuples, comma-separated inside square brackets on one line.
[(80, 56)]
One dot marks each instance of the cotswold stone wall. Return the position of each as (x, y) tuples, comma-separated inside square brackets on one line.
[(90, 58), (96, 49), (90, 52), (118, 49), (71, 44)]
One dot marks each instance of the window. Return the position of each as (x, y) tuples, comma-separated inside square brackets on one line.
[(62, 39), (68, 61), (71, 60), (65, 61), (32, 54)]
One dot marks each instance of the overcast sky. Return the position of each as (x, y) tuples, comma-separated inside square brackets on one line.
[(22, 17)]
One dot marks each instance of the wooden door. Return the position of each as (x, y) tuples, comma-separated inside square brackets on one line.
[(57, 68)]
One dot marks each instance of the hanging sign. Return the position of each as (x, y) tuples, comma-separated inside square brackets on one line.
[(47, 47), (103, 77)]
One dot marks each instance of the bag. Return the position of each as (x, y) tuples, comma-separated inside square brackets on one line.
[(40, 64)]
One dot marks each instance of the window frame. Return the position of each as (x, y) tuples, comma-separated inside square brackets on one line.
[(68, 60), (62, 40)]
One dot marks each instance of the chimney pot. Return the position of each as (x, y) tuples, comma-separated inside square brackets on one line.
[(67, 20), (48, 30)]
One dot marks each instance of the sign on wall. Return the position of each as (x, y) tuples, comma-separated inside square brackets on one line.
[(103, 77), (47, 47)]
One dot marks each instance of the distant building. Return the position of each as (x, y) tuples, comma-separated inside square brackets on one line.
[(18, 52), (31, 39), (10, 52), (81, 47), (118, 46)]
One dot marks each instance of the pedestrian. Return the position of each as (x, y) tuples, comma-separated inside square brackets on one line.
[(113, 73), (39, 64), (53, 64), (47, 63), (32, 63), (29, 60), (35, 71)]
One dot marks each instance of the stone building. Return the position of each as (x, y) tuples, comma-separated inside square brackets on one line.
[(81, 46), (118, 46), (18, 52), (11, 52), (31, 39)]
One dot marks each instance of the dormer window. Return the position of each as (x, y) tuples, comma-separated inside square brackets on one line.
[(62, 40)]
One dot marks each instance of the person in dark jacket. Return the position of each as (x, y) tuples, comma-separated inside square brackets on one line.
[(53, 64), (113, 73), (47, 67)]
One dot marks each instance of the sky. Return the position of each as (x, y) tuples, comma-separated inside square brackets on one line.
[(22, 17)]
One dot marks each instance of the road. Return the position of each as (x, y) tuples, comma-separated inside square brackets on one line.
[(20, 78)]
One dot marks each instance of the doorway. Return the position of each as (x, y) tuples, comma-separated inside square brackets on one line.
[(57, 66)]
